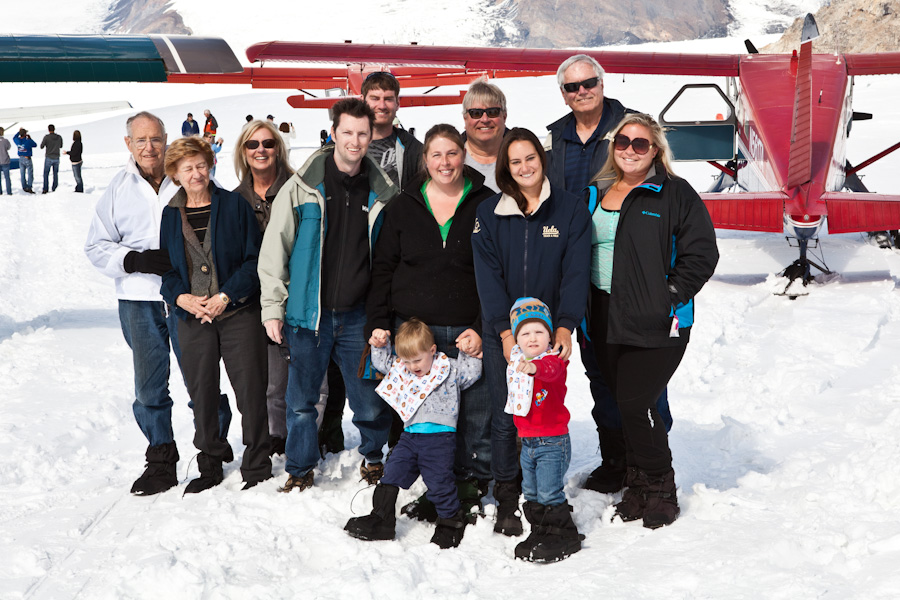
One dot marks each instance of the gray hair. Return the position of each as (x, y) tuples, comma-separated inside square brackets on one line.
[(561, 71), (144, 115), (485, 93)]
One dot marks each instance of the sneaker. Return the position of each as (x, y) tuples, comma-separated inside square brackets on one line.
[(299, 483), (371, 473)]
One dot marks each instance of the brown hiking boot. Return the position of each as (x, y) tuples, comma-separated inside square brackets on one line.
[(371, 473), (297, 483)]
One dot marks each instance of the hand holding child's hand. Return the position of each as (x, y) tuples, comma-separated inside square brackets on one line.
[(379, 338), (526, 367)]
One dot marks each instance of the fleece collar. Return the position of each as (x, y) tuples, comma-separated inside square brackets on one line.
[(507, 206)]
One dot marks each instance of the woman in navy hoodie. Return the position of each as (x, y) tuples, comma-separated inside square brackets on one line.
[(533, 239)]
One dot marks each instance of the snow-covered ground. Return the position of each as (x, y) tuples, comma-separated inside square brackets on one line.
[(786, 414)]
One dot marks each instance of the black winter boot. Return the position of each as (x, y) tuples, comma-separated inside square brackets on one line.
[(560, 536), (507, 495), (210, 474), (449, 532), (662, 502), (160, 474), (631, 508), (609, 477), (534, 514), (380, 524)]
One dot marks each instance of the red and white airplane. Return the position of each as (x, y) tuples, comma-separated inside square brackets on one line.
[(781, 141)]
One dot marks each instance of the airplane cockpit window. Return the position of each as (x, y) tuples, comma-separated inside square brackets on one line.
[(701, 104)]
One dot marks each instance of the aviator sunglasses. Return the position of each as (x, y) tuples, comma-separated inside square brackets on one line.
[(588, 84), (640, 145), (492, 112), (254, 144)]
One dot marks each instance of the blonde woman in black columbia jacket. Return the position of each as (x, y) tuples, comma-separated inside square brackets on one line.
[(653, 248)]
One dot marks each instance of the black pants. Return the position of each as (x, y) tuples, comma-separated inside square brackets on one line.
[(241, 343), (637, 376)]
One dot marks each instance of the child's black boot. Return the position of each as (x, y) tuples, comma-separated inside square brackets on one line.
[(561, 537), (381, 523), (449, 532), (534, 514)]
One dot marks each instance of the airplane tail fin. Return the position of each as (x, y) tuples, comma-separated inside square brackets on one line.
[(800, 157)]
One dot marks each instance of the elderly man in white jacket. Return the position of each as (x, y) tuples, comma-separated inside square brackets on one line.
[(123, 243)]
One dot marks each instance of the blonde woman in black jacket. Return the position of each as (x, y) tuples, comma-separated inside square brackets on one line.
[(653, 247)]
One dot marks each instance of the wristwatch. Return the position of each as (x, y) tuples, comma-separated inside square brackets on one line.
[(224, 298)]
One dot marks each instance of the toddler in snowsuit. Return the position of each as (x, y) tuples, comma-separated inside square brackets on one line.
[(423, 386), (536, 380)]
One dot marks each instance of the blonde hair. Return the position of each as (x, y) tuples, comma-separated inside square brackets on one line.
[(413, 337), (184, 148), (612, 172), (241, 166)]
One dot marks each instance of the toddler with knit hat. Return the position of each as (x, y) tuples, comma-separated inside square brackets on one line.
[(536, 380)]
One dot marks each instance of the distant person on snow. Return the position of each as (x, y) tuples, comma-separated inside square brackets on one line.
[(52, 144), (5, 145), (123, 243), (75, 156), (190, 126), (25, 145), (211, 125)]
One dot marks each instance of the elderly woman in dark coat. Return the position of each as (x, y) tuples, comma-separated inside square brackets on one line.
[(213, 239)]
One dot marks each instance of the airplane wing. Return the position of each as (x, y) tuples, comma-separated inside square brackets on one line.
[(509, 61), (55, 111), (884, 63), (49, 58), (747, 211), (852, 211)]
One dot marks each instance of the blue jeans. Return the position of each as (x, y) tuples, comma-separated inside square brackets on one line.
[(340, 336), (473, 430), (504, 453), (545, 461), (26, 166), (147, 334), (48, 164), (606, 412), (76, 172), (4, 171)]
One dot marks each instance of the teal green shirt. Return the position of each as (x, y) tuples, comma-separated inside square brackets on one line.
[(445, 228), (603, 240)]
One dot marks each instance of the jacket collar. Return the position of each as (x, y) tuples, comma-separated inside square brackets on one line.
[(653, 181), (507, 206), (312, 174)]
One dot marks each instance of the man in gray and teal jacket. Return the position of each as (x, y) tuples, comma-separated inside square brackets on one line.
[(314, 270)]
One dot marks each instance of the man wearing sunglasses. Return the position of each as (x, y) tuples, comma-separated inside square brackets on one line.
[(484, 113), (576, 150), (395, 150)]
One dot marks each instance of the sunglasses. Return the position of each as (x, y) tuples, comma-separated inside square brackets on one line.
[(587, 84), (254, 144), (640, 145), (492, 112)]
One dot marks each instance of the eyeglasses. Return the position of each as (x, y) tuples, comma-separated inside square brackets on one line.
[(640, 145), (492, 112), (587, 84), (142, 142), (254, 144)]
